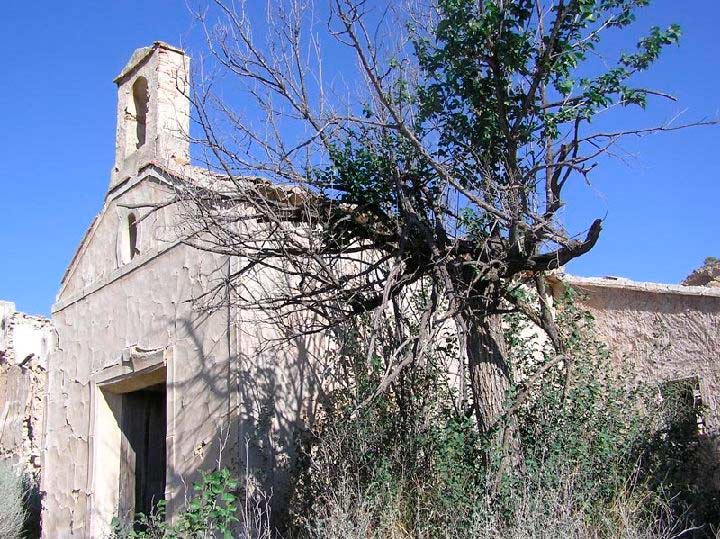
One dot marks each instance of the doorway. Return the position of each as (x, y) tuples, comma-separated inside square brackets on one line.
[(142, 451)]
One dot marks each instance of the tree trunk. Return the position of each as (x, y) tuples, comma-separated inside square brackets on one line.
[(490, 381), (484, 350), (489, 369)]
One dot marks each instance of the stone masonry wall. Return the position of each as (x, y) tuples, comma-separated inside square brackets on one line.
[(25, 342)]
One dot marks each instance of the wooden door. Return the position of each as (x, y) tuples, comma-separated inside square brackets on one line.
[(143, 451)]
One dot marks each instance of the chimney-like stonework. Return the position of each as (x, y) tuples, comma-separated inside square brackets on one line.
[(153, 113)]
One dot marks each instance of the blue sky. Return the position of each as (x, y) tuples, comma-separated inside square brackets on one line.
[(57, 143)]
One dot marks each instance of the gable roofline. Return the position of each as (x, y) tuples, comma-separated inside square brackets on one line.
[(81, 248), (170, 176), (143, 173)]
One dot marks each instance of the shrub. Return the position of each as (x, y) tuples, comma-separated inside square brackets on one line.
[(588, 423), (599, 457), (12, 509), (213, 511), (550, 514)]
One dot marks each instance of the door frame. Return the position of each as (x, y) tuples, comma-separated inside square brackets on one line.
[(137, 369)]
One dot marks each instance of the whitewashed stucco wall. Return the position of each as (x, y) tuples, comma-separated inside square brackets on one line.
[(665, 332)]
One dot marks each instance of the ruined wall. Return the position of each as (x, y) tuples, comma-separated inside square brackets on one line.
[(25, 341), (665, 332)]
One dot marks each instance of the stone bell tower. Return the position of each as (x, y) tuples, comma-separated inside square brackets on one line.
[(153, 114)]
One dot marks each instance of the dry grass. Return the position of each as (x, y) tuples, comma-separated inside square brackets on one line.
[(537, 515), (12, 510)]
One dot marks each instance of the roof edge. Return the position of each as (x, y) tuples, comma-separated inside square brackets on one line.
[(622, 283)]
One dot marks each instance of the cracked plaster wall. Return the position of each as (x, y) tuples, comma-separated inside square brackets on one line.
[(237, 391), (221, 392)]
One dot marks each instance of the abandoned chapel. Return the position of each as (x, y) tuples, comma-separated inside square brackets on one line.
[(143, 391)]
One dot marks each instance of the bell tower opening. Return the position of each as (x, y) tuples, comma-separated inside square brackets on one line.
[(141, 101), (153, 114)]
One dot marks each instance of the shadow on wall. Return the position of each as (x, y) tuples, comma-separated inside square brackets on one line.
[(248, 413), (33, 508)]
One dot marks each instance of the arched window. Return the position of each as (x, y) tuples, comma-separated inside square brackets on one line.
[(140, 101), (132, 231)]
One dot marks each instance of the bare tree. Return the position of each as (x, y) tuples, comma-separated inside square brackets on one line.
[(436, 157)]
